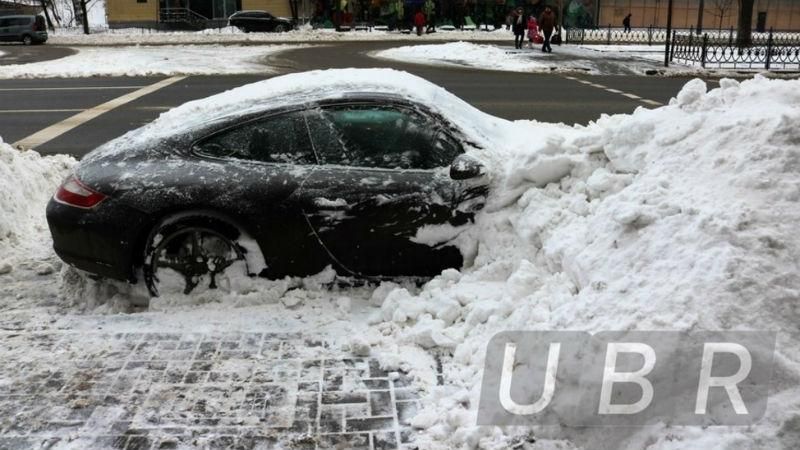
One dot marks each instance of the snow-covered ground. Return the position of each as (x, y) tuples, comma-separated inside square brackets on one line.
[(593, 59), (234, 35), (683, 217), (155, 60)]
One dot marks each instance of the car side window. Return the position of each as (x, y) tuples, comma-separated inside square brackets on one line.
[(276, 139), (380, 136)]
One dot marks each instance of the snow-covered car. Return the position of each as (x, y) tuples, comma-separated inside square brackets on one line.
[(250, 21), (359, 169)]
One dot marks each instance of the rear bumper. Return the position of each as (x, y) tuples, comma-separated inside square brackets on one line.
[(103, 241)]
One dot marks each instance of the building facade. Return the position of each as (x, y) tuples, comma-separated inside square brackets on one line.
[(152, 13), (717, 14)]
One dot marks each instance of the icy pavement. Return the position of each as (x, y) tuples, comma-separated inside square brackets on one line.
[(210, 390), (206, 377)]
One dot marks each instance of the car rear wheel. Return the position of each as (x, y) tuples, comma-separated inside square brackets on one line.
[(27, 39), (191, 258)]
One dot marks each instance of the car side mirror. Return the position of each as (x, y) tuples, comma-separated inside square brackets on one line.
[(465, 167)]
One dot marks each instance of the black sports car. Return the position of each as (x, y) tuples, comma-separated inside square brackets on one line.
[(285, 185), (249, 21)]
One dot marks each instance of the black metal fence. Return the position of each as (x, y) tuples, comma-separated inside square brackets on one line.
[(656, 36), (609, 35), (770, 51)]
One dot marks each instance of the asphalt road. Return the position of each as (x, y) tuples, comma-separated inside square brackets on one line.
[(29, 106)]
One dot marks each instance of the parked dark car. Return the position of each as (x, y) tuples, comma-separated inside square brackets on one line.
[(249, 21), (26, 29), (348, 181)]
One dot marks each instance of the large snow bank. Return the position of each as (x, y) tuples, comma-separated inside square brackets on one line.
[(27, 181), (683, 217)]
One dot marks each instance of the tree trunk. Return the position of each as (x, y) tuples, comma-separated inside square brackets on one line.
[(47, 15), (700, 10), (85, 17), (745, 23)]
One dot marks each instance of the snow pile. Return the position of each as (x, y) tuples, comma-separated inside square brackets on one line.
[(27, 181), (147, 61), (683, 217)]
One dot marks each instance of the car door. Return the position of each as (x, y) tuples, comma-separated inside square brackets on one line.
[(265, 161), (5, 29), (382, 202), (261, 21)]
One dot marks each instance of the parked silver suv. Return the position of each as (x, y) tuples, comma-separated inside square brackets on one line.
[(26, 29)]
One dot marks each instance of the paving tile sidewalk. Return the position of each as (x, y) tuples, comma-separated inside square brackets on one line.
[(227, 390)]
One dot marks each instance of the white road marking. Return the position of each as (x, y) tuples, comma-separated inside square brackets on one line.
[(75, 88), (30, 111), (616, 91), (53, 131)]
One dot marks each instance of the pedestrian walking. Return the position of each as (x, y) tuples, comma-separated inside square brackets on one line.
[(519, 26), (430, 16), (626, 22), (533, 31), (419, 22), (547, 22)]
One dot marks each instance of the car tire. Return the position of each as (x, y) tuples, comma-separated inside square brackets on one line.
[(204, 251), (280, 28), (27, 39)]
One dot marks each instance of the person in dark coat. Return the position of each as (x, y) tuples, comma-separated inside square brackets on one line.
[(626, 22), (547, 23), (519, 25)]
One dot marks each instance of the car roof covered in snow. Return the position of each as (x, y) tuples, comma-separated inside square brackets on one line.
[(305, 88)]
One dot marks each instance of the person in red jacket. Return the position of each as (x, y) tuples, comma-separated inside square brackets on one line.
[(533, 30), (419, 21)]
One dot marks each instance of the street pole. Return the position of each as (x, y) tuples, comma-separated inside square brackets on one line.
[(669, 34), (700, 17)]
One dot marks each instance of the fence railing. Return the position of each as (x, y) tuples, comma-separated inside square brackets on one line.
[(188, 17), (769, 51), (655, 35), (649, 36)]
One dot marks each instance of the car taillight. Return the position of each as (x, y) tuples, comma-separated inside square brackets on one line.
[(74, 193)]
